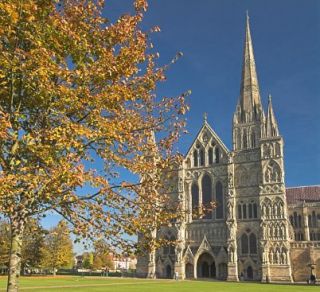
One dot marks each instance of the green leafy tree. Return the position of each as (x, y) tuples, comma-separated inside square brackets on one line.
[(88, 260), (102, 255), (57, 250)]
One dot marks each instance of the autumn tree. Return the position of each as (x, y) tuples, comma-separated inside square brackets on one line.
[(32, 245), (57, 250), (77, 91), (102, 256), (32, 242)]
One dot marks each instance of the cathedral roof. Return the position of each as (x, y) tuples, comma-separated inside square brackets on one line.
[(300, 194)]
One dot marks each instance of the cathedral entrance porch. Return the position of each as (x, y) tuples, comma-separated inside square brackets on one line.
[(206, 267)]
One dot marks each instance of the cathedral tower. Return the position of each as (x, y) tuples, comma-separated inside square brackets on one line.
[(262, 220)]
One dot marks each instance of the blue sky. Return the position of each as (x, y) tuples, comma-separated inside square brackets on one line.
[(210, 33)]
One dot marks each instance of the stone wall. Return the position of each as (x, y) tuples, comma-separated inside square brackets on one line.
[(303, 254)]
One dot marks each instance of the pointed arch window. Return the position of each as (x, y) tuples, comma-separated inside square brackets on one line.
[(244, 244), (244, 140), (217, 154), (314, 219), (295, 219), (253, 243), (219, 200), (244, 211), (195, 198), (250, 210), (299, 221), (207, 195), (253, 140), (201, 157), (195, 158), (210, 156), (255, 211)]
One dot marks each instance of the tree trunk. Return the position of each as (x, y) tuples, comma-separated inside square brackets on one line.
[(17, 227)]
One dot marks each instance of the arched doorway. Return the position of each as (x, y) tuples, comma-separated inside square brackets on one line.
[(249, 273), (168, 272), (206, 267), (189, 271)]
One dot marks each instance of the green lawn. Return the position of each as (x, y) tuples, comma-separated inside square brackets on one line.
[(79, 284)]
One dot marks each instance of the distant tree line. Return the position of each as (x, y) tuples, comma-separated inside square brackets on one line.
[(41, 249)]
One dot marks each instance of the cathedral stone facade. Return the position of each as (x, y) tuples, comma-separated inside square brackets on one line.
[(259, 230)]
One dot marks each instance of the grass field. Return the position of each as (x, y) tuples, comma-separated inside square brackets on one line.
[(80, 284)]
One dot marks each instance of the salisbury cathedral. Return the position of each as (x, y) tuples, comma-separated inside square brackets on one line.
[(260, 230)]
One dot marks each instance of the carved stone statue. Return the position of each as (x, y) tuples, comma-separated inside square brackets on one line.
[(229, 209)]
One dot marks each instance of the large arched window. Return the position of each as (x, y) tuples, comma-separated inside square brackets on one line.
[(244, 244), (195, 198), (207, 195), (195, 158), (219, 201), (210, 156), (253, 243)]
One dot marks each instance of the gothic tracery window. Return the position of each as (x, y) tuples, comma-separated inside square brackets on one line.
[(253, 140), (202, 157), (244, 244), (217, 153), (244, 140), (195, 158), (248, 243), (207, 195), (250, 211), (210, 156), (255, 211), (195, 197), (253, 243), (244, 211)]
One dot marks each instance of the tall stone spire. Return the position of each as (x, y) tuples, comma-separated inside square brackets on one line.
[(271, 122), (250, 102)]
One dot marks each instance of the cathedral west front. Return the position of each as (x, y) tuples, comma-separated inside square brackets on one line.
[(260, 230)]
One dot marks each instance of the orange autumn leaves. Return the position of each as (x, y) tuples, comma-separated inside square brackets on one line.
[(77, 93)]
